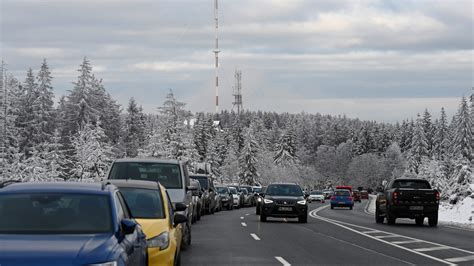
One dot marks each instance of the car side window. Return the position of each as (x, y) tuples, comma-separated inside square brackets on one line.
[(118, 207), (126, 210)]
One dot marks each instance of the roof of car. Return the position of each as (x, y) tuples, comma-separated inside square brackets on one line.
[(146, 160), (134, 183), (70, 187), (283, 183)]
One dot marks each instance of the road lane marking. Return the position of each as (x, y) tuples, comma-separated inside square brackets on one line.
[(255, 236), (314, 214), (371, 232), (406, 242), (387, 236), (247, 214), (244, 224), (461, 259), (283, 261), (241, 218), (431, 249)]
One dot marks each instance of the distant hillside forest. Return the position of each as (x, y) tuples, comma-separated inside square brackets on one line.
[(80, 135)]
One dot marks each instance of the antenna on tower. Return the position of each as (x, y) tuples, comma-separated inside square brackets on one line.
[(238, 103), (216, 53)]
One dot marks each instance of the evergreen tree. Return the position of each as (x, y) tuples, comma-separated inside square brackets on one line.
[(286, 149), (428, 129), (419, 147), (441, 138), (135, 129), (463, 135), (248, 160)]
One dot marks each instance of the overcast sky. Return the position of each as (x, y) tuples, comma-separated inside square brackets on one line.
[(377, 60)]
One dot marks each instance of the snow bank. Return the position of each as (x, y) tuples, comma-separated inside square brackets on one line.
[(461, 214), (370, 207)]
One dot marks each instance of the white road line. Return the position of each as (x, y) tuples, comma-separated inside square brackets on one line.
[(431, 249), (241, 218), (244, 224), (406, 242), (346, 226), (461, 259), (247, 214), (283, 261), (387, 236), (371, 232), (255, 236)]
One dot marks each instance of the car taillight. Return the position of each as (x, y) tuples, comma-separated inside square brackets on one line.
[(350, 198), (395, 196), (437, 195), (333, 197)]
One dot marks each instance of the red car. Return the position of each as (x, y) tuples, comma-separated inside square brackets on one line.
[(356, 195), (364, 194)]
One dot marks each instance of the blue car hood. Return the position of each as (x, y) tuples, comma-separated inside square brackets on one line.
[(55, 249)]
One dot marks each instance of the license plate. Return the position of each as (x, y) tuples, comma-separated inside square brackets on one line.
[(285, 209), (341, 202), (416, 208)]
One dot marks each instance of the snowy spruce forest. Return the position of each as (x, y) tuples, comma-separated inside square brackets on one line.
[(76, 136)]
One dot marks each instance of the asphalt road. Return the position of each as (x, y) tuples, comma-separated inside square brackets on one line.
[(331, 237)]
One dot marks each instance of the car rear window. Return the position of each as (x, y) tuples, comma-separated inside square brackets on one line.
[(55, 213), (342, 193), (169, 175), (144, 203), (204, 181), (413, 184)]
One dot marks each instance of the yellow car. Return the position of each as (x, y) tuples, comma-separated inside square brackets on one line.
[(151, 207)]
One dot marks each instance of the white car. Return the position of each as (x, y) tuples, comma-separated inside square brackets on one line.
[(316, 196), (235, 197)]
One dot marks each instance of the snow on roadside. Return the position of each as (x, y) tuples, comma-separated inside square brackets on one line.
[(370, 208), (461, 214)]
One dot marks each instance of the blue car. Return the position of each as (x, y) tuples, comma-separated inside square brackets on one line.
[(342, 198), (65, 223)]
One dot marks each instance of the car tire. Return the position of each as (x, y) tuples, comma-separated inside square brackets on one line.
[(263, 218), (433, 220), (332, 207), (419, 220), (391, 219), (177, 259), (303, 219), (198, 217), (257, 211), (187, 239), (350, 208), (378, 218)]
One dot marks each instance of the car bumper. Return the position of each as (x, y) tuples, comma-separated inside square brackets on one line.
[(161, 257), (406, 212), (342, 203), (276, 211), (316, 199)]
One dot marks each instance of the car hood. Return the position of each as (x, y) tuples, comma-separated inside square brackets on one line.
[(55, 249), (153, 227), (294, 198)]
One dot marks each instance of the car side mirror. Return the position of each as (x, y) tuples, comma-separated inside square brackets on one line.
[(128, 226), (180, 207), (179, 219)]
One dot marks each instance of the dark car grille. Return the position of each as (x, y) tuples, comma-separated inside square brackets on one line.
[(285, 202)]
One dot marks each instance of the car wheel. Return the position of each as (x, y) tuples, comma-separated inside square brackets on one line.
[(198, 216), (419, 220), (378, 218), (433, 220), (187, 238), (303, 219), (257, 211), (350, 208), (177, 259), (263, 217), (332, 207), (391, 219)]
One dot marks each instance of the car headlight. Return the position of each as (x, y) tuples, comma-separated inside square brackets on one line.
[(110, 263), (259, 199), (161, 241), (267, 201), (302, 202)]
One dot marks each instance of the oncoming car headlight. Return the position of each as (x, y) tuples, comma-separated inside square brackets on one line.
[(259, 199), (267, 201), (302, 202), (161, 241)]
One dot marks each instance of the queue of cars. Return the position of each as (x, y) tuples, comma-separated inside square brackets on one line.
[(140, 215)]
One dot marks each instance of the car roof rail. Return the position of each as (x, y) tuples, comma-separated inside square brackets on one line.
[(9, 182)]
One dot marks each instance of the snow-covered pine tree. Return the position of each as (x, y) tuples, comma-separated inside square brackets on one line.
[(134, 129), (248, 160), (287, 148), (441, 138), (200, 136), (25, 115), (463, 135), (428, 129), (92, 154), (419, 147)]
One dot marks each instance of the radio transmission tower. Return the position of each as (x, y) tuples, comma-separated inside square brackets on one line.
[(216, 53), (238, 103)]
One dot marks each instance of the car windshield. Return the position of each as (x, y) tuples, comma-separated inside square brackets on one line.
[(222, 190), (169, 175), (284, 190), (342, 193), (55, 213), (316, 193), (233, 190), (204, 181), (144, 203), (257, 189)]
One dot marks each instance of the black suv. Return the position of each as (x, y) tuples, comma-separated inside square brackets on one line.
[(284, 200), (209, 195)]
